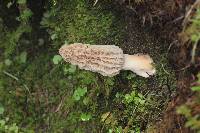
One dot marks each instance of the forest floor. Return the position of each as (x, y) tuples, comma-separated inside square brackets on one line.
[(48, 104)]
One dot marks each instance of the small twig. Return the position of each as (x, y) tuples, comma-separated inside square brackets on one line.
[(10, 75), (26, 87), (104, 122), (59, 106), (17, 79), (171, 44), (177, 19), (146, 93), (61, 103), (165, 70), (186, 67), (187, 16), (194, 51), (155, 94), (95, 2)]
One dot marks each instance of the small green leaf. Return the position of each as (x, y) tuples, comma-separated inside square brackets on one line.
[(194, 37), (137, 130), (8, 62), (2, 123), (119, 130), (196, 88), (82, 91), (72, 69), (128, 98), (86, 101), (110, 131), (14, 128), (133, 93), (57, 59), (26, 14), (53, 36), (117, 95), (85, 117), (78, 93), (23, 57), (76, 96)]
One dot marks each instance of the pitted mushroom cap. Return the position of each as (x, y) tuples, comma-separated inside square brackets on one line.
[(107, 60)]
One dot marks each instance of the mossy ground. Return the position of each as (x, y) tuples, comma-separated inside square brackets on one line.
[(44, 96)]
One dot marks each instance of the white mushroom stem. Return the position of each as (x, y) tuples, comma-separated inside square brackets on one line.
[(139, 64), (107, 60)]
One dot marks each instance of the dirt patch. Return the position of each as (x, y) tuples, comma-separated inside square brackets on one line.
[(138, 39)]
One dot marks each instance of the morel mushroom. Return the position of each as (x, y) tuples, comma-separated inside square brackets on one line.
[(107, 60)]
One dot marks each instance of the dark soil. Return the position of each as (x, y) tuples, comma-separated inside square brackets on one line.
[(138, 39), (142, 40)]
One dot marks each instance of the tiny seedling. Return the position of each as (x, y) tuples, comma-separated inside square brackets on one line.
[(85, 117), (57, 59), (79, 92)]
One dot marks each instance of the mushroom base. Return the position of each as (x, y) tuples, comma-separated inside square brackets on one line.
[(139, 64)]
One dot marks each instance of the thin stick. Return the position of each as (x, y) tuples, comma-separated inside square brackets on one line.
[(17, 79), (194, 51), (95, 2), (187, 16), (26, 87), (165, 70), (10, 75)]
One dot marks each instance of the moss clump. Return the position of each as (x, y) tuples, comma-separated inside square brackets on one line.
[(44, 91), (79, 21)]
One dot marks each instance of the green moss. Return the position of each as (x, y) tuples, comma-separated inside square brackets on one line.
[(80, 21)]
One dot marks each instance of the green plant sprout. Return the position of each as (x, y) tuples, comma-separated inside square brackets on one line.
[(85, 117), (79, 92)]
